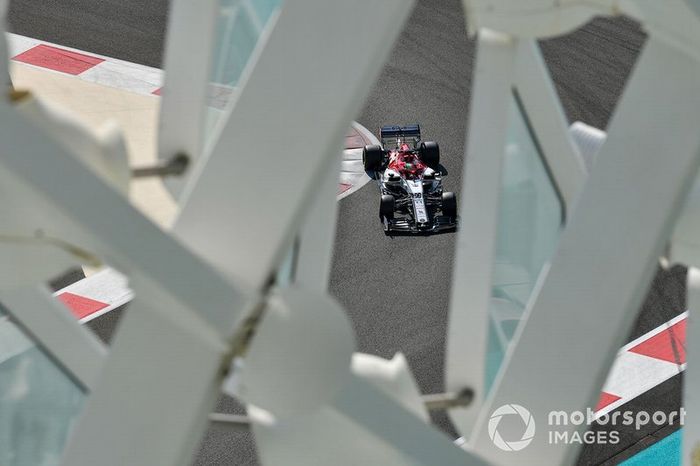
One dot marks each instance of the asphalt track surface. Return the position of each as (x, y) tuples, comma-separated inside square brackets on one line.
[(396, 290)]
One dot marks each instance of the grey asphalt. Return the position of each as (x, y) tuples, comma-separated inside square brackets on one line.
[(396, 290), (132, 30)]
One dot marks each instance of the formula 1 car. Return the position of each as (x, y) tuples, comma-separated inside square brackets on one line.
[(410, 180)]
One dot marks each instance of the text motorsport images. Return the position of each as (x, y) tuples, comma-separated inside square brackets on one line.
[(512, 427)]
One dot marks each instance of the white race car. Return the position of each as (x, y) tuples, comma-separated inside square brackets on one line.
[(410, 179)]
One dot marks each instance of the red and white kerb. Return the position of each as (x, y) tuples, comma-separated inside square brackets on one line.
[(96, 295), (645, 363)]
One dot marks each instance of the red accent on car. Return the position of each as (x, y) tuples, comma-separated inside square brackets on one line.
[(406, 162)]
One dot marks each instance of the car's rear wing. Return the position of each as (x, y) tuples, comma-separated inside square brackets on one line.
[(408, 133)]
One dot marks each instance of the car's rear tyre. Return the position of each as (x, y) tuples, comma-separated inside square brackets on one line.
[(430, 153), (372, 157), (387, 206), (449, 204)]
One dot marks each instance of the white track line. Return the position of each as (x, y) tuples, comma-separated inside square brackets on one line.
[(645, 362), (110, 72), (97, 294)]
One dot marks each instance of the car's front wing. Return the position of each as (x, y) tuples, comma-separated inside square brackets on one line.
[(439, 223)]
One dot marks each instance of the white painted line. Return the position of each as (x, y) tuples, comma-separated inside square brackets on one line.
[(107, 286), (124, 75), (352, 170), (643, 363), (111, 72), (146, 80), (633, 375), (656, 331), (17, 44)]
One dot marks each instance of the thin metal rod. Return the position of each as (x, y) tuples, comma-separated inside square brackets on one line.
[(234, 421), (448, 400), (176, 166)]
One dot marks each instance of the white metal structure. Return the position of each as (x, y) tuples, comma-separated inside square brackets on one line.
[(208, 315)]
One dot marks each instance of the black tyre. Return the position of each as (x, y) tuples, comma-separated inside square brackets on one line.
[(372, 157), (386, 206), (449, 204), (430, 153)]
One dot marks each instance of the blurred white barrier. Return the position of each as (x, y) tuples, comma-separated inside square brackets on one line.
[(549, 247)]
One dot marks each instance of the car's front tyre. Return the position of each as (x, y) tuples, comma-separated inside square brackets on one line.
[(430, 153), (449, 204), (387, 206), (372, 157)]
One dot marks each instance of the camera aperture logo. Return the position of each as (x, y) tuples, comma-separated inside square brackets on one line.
[(511, 420), (528, 425)]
